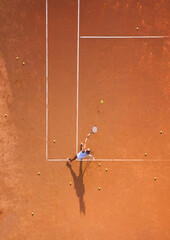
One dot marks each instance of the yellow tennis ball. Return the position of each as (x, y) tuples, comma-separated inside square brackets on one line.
[(38, 173), (99, 188), (145, 154), (160, 132), (23, 63), (101, 101), (32, 213), (5, 115), (137, 28), (70, 183), (17, 58), (155, 178), (54, 141)]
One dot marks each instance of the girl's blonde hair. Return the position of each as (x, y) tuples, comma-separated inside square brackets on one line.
[(90, 155)]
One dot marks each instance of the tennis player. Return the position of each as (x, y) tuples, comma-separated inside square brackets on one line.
[(83, 153)]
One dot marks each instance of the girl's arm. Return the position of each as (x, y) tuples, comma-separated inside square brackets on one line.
[(84, 145)]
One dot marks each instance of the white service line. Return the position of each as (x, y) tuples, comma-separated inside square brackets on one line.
[(78, 52), (111, 160), (46, 79), (124, 37)]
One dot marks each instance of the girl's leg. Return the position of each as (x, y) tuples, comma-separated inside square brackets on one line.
[(73, 158)]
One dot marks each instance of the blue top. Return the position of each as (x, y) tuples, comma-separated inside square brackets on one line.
[(81, 155)]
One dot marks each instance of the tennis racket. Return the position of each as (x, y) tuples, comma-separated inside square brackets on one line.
[(94, 130)]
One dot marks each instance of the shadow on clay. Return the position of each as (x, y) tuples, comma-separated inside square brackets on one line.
[(79, 185)]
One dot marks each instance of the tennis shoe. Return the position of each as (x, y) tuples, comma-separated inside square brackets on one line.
[(69, 160)]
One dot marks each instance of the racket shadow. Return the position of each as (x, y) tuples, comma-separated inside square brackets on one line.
[(79, 184)]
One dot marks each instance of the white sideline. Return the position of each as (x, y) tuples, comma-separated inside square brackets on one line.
[(47, 79), (78, 52)]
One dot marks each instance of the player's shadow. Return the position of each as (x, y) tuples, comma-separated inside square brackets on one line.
[(79, 185)]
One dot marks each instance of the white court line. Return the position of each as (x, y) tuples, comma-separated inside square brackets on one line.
[(111, 160), (119, 37), (46, 79), (78, 53)]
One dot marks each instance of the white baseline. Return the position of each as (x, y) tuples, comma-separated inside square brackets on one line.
[(123, 37), (111, 160)]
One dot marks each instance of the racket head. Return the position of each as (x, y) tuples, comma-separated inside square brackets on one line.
[(94, 129)]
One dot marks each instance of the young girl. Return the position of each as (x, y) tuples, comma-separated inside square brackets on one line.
[(83, 151)]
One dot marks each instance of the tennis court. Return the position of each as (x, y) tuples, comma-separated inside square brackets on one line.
[(77, 53)]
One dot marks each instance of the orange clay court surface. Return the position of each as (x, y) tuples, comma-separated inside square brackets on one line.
[(70, 66)]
